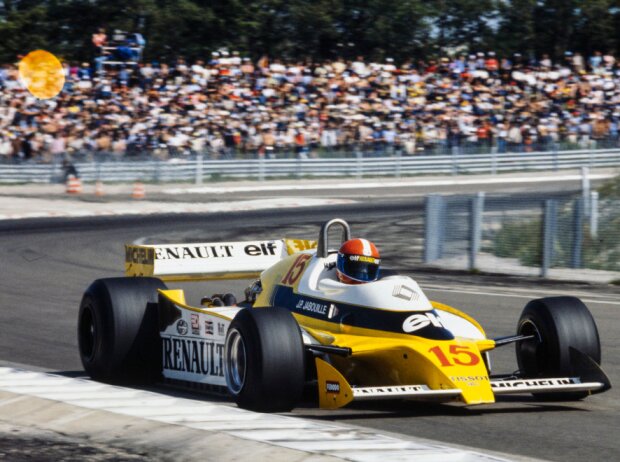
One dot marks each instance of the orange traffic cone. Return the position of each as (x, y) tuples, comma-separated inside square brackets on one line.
[(74, 185), (99, 189), (138, 190)]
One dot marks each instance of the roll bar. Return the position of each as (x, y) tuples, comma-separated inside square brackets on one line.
[(322, 247)]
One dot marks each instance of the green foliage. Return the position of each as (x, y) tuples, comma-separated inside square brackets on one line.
[(375, 29), (523, 240), (610, 189)]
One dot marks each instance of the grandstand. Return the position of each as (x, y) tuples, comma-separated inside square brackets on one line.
[(228, 106)]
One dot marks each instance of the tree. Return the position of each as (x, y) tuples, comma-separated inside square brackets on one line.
[(516, 32), (594, 27), (465, 22), (384, 28)]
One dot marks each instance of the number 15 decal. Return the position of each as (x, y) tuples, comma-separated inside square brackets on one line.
[(460, 355), (296, 269)]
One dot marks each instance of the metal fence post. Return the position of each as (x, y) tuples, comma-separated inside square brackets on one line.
[(477, 209), (359, 164), (199, 168), (455, 167), (494, 161), (594, 213), (585, 189), (261, 169), (577, 233), (432, 228), (157, 172), (548, 235), (397, 166)]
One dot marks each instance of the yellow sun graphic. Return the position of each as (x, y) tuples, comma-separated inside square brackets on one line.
[(42, 73)]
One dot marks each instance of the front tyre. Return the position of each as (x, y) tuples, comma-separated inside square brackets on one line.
[(118, 334), (265, 360), (559, 324)]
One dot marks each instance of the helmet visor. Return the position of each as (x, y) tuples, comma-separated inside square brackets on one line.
[(359, 267)]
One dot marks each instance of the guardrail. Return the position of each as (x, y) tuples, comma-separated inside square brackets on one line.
[(199, 169)]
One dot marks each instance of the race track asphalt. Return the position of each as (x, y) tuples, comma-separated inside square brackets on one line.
[(46, 265)]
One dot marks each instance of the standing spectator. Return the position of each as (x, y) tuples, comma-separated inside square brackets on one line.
[(58, 147), (99, 40), (515, 138), (595, 61), (6, 148)]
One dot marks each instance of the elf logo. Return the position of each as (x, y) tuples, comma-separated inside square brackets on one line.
[(420, 321), (261, 248)]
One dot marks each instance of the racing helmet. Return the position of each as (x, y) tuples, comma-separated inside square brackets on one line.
[(357, 262)]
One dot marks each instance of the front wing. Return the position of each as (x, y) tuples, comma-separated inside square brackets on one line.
[(336, 392)]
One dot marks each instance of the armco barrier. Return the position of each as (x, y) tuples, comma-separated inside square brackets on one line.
[(199, 169)]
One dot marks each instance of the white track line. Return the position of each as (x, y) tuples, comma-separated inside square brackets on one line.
[(19, 208), (504, 294), (382, 184), (348, 443)]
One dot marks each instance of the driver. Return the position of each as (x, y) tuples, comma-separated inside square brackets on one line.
[(358, 262)]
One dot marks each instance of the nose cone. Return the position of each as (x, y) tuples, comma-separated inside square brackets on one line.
[(461, 366)]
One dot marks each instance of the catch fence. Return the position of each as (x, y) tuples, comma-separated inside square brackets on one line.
[(523, 235)]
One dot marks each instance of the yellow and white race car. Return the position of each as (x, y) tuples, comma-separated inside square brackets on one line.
[(300, 326)]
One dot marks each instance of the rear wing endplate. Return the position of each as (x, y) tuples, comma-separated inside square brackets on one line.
[(210, 260)]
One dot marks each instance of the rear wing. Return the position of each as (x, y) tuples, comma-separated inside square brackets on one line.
[(210, 260)]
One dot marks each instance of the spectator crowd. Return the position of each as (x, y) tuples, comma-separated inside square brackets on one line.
[(230, 106)]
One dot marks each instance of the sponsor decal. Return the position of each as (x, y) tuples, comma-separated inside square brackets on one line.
[(221, 329), (420, 321), (395, 390), (364, 259), (191, 252), (209, 327), (313, 307), (193, 355), (531, 383), (194, 321), (470, 380), (263, 248), (333, 311), (182, 327), (297, 245), (332, 387), (139, 255), (405, 293)]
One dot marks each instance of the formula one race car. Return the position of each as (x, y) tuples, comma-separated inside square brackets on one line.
[(299, 326)]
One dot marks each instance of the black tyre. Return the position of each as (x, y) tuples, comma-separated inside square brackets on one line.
[(118, 334), (265, 360), (559, 323)]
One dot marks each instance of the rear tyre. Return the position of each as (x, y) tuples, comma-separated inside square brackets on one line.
[(265, 360), (118, 334), (559, 324)]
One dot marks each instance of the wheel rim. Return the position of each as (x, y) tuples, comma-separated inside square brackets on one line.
[(531, 352), (88, 333), (235, 361)]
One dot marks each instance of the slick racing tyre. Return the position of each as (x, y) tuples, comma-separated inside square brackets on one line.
[(559, 324), (265, 360), (118, 334)]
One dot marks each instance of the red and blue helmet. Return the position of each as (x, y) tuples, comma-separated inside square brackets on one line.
[(358, 262)]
